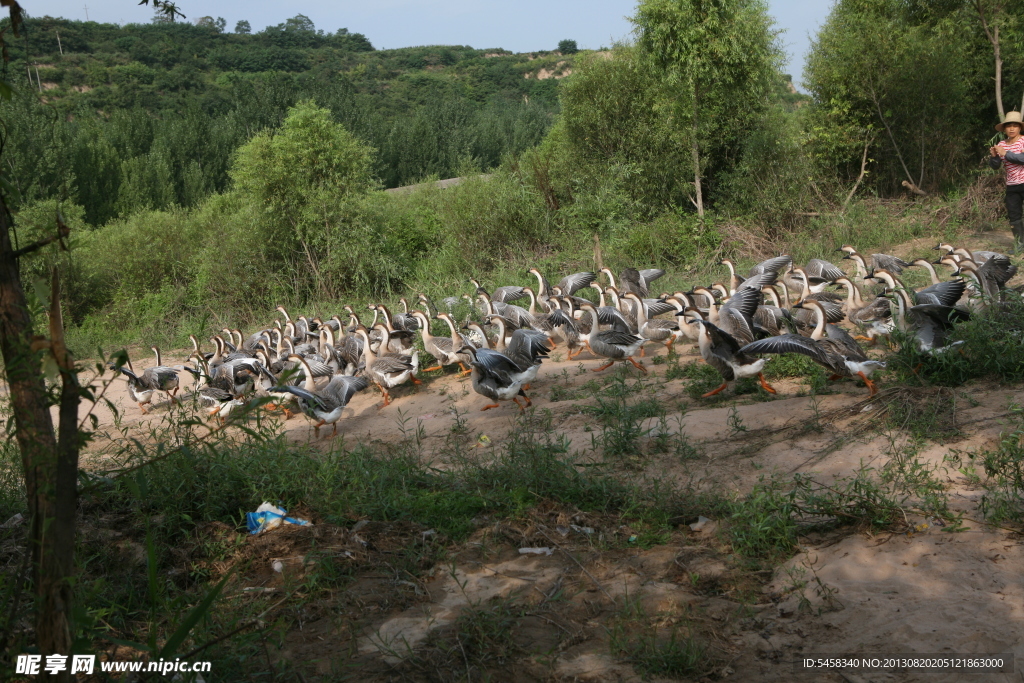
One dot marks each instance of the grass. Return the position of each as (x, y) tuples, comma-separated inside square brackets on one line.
[(1003, 501), (656, 652)]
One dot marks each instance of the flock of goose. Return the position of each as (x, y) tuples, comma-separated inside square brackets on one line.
[(315, 365)]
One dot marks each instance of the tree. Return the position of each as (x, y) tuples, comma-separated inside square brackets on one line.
[(221, 24), (300, 22), (305, 177), (243, 27), (568, 47), (719, 59), (899, 81)]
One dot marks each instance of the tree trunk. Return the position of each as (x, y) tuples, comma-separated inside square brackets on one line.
[(993, 37), (51, 473), (695, 151)]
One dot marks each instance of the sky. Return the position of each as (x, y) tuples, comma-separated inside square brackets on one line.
[(519, 26)]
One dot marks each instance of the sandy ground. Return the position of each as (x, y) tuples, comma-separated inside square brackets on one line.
[(927, 591)]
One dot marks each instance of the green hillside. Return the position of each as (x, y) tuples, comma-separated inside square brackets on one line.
[(152, 112)]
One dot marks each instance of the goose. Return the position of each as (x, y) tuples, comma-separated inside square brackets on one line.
[(568, 285), (206, 395), (828, 346), (874, 318), (816, 275), (616, 346), (761, 275), (405, 320), (930, 324), (387, 371), (141, 387), (441, 348), (495, 376), (327, 404), (664, 331), (505, 294), (720, 344), (978, 257), (990, 277), (526, 348), (893, 264)]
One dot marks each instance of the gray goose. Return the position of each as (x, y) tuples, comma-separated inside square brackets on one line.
[(720, 345), (141, 387), (828, 346), (327, 404)]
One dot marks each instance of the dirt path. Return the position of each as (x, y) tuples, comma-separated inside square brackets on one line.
[(925, 591)]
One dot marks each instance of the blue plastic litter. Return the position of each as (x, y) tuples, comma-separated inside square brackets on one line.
[(269, 517)]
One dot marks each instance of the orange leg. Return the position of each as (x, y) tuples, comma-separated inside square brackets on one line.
[(638, 366), (528, 401), (316, 428), (764, 384), (436, 367), (416, 381), (387, 397), (833, 378), (718, 390), (464, 370), (604, 367), (335, 431), (143, 409), (288, 414), (521, 407), (643, 352), (489, 406), (871, 385)]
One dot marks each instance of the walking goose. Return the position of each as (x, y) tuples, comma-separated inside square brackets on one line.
[(327, 404), (441, 348), (495, 376), (387, 371), (720, 344), (141, 387), (828, 346)]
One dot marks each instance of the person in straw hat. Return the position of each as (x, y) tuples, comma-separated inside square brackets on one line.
[(1010, 154)]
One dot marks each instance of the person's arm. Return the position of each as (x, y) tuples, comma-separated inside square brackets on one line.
[(995, 161), (1015, 157)]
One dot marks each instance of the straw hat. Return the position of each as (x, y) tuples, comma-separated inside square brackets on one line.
[(1011, 117)]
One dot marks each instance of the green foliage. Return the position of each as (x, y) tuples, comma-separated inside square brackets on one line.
[(1003, 501), (990, 348), (903, 81), (568, 47)]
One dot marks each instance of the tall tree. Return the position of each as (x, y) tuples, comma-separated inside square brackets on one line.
[(719, 59)]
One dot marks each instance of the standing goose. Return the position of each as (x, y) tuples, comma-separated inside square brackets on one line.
[(327, 404), (837, 352), (893, 264)]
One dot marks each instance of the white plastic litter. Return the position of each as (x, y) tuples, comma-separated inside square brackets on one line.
[(278, 566), (700, 523), (535, 551), (13, 521)]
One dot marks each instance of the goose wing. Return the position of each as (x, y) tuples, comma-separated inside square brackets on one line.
[(736, 315), (944, 293), (529, 344), (342, 388), (772, 265), (508, 293), (649, 275), (308, 396), (893, 264), (658, 307), (820, 268), (789, 343), (760, 280), (570, 284)]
